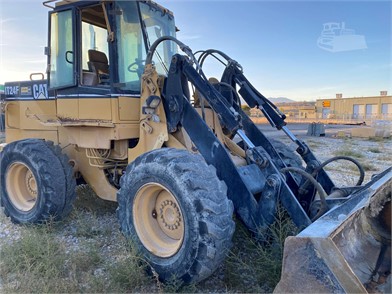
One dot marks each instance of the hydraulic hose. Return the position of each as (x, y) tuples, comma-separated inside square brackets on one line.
[(204, 55), (183, 47), (319, 188), (311, 178), (318, 168), (154, 46), (360, 168)]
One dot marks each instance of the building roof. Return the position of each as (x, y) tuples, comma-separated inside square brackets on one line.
[(306, 107), (368, 97)]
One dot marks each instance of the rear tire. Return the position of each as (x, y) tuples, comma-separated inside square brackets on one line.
[(37, 182), (174, 207)]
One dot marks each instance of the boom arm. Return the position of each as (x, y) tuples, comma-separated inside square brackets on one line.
[(180, 69), (180, 113), (255, 204), (233, 75)]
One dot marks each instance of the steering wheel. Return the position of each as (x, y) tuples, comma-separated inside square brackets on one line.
[(139, 68)]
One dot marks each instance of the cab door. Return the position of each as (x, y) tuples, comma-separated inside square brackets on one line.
[(62, 50)]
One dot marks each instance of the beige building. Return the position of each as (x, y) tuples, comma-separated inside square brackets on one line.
[(356, 108), (306, 111), (292, 110), (297, 109)]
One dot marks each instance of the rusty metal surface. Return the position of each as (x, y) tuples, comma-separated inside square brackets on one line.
[(347, 250)]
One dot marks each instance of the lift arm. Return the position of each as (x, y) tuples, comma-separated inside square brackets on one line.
[(256, 213)]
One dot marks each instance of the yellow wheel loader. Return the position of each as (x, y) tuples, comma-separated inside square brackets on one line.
[(116, 112)]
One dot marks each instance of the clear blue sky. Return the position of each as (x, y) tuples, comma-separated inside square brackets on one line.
[(275, 42)]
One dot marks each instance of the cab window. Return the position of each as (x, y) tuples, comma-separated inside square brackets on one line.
[(130, 46), (61, 65), (95, 49)]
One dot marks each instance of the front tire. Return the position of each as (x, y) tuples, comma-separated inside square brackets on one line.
[(37, 182), (288, 155), (174, 207)]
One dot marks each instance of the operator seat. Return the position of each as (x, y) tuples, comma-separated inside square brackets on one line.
[(98, 64)]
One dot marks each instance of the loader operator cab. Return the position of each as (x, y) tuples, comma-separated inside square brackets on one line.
[(100, 47)]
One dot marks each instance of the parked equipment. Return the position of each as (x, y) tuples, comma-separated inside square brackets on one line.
[(117, 112)]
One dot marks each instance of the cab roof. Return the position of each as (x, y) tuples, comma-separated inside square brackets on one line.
[(58, 3)]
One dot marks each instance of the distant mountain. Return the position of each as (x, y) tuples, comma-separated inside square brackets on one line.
[(280, 100)]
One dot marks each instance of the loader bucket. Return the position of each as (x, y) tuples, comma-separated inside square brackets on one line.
[(348, 250)]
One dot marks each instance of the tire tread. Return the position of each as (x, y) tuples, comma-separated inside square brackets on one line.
[(212, 207)]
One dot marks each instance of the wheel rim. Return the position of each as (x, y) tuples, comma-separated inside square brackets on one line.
[(21, 186), (158, 220)]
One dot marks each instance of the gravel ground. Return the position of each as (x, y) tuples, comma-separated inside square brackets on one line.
[(376, 155)]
